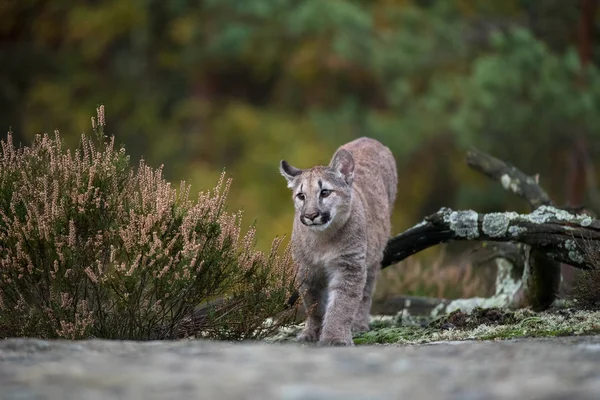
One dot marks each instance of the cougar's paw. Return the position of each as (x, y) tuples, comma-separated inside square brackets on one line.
[(336, 341), (360, 327), (308, 335)]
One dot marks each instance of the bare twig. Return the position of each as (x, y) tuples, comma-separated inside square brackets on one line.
[(510, 177)]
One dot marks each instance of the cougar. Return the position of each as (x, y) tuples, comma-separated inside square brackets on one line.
[(341, 226)]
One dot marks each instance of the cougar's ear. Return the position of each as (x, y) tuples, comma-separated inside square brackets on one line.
[(289, 172), (343, 164)]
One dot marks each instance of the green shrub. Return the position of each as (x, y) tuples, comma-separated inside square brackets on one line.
[(91, 247)]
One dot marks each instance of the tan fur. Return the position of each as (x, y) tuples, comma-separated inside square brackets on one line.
[(338, 240)]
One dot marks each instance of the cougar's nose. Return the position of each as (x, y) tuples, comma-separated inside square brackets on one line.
[(311, 216)]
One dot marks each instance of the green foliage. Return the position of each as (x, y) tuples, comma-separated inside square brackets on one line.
[(522, 91), (198, 86), (93, 248)]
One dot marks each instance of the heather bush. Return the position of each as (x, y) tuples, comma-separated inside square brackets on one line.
[(586, 284), (586, 289), (91, 247)]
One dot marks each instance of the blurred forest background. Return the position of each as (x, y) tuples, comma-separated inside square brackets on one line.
[(210, 84)]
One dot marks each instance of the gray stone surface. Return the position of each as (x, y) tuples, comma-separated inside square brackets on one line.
[(560, 368)]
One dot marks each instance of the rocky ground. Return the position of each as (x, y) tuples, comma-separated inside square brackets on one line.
[(547, 368)]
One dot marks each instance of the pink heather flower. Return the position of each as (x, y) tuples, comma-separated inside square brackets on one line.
[(100, 111), (91, 275), (72, 236)]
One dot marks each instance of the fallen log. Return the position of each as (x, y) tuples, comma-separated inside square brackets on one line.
[(560, 235), (412, 305), (547, 236)]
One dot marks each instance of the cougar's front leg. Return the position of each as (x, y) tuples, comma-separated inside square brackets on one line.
[(361, 317), (314, 298), (347, 280)]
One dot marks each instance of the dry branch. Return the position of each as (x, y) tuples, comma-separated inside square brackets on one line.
[(510, 177)]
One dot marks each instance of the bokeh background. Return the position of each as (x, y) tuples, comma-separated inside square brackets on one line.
[(210, 84)]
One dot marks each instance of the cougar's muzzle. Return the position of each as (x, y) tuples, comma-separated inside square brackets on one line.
[(315, 218)]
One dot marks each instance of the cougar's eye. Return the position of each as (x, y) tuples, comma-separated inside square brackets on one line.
[(300, 196), (325, 192)]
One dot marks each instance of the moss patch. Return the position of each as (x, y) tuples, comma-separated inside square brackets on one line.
[(488, 324), (480, 324)]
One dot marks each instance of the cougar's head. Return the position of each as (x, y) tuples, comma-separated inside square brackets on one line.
[(322, 195)]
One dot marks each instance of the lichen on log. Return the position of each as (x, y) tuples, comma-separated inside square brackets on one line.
[(558, 234)]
